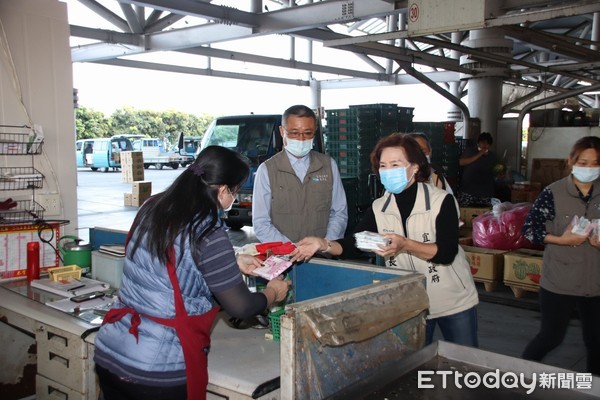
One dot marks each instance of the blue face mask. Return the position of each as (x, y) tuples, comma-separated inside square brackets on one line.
[(586, 174), (299, 148), (394, 180)]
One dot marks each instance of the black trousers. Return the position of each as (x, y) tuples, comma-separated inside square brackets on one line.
[(115, 388), (556, 313)]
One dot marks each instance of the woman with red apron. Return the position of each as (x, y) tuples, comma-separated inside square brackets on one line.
[(180, 269)]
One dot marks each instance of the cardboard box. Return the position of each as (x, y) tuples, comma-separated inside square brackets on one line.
[(487, 265), (133, 174), (132, 157), (523, 269), (142, 188), (132, 166), (468, 213), (524, 192), (139, 199), (465, 236), (548, 170)]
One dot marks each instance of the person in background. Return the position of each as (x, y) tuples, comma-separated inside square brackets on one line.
[(298, 192), (421, 222), (179, 268), (437, 177), (571, 264), (477, 184)]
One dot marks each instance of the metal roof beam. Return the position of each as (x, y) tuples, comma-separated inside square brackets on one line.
[(386, 51), (558, 44), (279, 62), (200, 71), (105, 13)]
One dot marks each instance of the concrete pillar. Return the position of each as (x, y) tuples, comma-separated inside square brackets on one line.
[(315, 94), (485, 87), (454, 113), (595, 30)]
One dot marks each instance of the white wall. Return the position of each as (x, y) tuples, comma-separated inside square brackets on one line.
[(554, 142), (37, 40)]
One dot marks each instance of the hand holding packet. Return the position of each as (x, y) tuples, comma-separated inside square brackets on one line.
[(369, 241), (581, 226), (273, 267)]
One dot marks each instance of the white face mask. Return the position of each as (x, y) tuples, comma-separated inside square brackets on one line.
[(299, 148), (225, 209), (585, 174)]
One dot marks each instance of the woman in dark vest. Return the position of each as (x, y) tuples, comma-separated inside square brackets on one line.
[(571, 266)]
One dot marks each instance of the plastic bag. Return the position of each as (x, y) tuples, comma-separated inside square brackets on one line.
[(501, 228)]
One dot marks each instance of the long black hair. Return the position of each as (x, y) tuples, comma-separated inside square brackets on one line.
[(192, 198)]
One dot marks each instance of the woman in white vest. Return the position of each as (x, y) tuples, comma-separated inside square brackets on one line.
[(421, 222)]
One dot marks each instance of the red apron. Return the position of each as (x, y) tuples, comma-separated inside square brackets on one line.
[(193, 333)]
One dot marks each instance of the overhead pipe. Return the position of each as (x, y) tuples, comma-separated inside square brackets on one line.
[(447, 95)]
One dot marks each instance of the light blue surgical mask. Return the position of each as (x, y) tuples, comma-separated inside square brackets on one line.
[(299, 148), (394, 180), (586, 174)]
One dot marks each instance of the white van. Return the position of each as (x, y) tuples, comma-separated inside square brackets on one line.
[(154, 153), (101, 153)]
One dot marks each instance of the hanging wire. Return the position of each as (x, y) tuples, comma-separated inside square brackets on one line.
[(46, 234), (7, 55)]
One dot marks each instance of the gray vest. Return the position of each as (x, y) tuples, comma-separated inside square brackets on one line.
[(566, 269), (300, 209)]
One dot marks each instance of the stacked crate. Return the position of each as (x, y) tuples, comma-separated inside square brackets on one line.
[(352, 134), (351, 189)]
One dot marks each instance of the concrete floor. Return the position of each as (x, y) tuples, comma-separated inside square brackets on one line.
[(506, 324)]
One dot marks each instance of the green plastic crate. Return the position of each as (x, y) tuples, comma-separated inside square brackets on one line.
[(275, 322)]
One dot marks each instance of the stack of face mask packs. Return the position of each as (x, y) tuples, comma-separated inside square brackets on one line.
[(368, 241), (582, 226)]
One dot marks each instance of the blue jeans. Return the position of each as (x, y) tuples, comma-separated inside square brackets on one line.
[(459, 328)]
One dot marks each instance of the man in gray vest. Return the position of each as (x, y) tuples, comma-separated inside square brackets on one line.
[(298, 192)]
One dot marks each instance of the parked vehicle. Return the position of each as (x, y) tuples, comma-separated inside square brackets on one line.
[(256, 137), (154, 152), (187, 147), (102, 153)]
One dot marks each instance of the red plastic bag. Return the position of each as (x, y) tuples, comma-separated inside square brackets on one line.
[(277, 248), (501, 228)]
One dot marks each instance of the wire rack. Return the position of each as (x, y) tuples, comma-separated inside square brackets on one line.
[(22, 211), (20, 178), (19, 140)]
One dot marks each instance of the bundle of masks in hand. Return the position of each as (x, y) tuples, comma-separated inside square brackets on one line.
[(369, 241)]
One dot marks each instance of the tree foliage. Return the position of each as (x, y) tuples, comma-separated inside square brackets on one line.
[(164, 125), (91, 124)]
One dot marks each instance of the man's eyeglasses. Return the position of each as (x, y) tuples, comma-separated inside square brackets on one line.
[(296, 135)]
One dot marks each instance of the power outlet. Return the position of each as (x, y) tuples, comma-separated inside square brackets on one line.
[(50, 202)]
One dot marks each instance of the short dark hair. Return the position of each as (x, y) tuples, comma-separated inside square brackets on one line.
[(411, 148), (485, 137), (421, 135), (586, 142), (298, 110)]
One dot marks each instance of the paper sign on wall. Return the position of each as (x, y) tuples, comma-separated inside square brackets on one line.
[(13, 249)]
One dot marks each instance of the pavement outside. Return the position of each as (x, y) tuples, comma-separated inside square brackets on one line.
[(506, 324)]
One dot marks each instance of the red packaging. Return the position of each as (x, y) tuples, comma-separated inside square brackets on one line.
[(33, 261)]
